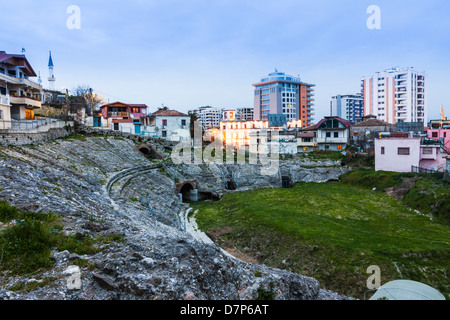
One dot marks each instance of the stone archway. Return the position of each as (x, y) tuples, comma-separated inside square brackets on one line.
[(150, 151), (186, 189)]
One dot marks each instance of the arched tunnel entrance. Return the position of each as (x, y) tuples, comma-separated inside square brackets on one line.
[(230, 185), (188, 191), (150, 152)]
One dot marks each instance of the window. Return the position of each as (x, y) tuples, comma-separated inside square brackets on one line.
[(183, 122), (164, 122), (328, 135), (427, 151), (1, 114), (434, 134), (164, 134), (382, 150), (336, 134), (339, 147), (403, 151)]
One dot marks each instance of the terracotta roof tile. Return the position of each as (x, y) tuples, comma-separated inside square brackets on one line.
[(372, 123), (168, 113)]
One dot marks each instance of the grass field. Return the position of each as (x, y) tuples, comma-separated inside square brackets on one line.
[(332, 232)]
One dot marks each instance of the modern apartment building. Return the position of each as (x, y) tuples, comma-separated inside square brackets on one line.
[(279, 93), (244, 114), (209, 116), (396, 95), (349, 106), (19, 96)]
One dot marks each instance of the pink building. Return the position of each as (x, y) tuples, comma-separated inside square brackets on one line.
[(400, 154), (123, 117), (437, 134), (397, 154), (432, 157)]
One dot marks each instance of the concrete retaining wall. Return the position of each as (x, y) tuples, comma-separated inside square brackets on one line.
[(18, 139)]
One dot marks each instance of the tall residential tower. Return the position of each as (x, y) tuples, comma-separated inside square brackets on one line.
[(279, 93), (396, 95), (347, 106)]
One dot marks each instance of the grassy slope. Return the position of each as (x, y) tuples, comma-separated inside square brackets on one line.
[(332, 232), (429, 193)]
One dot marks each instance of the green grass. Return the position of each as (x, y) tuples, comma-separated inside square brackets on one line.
[(430, 194), (375, 179), (332, 232), (26, 244)]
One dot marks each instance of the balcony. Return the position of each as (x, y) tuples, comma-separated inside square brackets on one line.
[(20, 81), (118, 114), (26, 101), (341, 140), (428, 152)]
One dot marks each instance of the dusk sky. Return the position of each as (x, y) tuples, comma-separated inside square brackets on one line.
[(187, 54)]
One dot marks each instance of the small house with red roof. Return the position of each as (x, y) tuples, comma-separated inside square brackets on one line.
[(124, 117), (168, 124), (330, 133), (19, 95)]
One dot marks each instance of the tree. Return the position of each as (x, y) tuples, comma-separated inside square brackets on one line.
[(83, 96), (193, 117)]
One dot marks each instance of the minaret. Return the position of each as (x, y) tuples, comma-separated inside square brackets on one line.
[(51, 78)]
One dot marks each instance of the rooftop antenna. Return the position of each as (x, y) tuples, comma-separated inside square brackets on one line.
[(23, 50)]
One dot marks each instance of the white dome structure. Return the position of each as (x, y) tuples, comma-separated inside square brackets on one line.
[(406, 290)]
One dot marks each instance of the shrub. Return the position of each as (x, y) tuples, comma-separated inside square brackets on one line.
[(7, 212), (25, 246)]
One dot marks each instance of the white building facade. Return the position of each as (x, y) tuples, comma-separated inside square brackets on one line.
[(396, 95), (209, 116), (349, 106), (168, 124)]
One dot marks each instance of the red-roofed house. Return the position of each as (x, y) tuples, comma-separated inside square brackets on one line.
[(19, 96), (168, 124), (330, 133), (124, 117)]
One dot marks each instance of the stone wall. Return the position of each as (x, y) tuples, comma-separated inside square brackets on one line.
[(82, 129), (19, 139)]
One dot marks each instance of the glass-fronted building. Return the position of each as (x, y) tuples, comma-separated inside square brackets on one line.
[(279, 93)]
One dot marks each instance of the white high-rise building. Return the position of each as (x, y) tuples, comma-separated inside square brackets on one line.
[(396, 95), (347, 106), (209, 116)]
